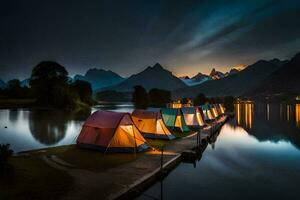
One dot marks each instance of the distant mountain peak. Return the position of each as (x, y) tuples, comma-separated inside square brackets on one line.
[(157, 66), (214, 74), (152, 77), (100, 78), (184, 77)]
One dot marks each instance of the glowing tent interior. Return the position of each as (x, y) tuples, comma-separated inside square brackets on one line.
[(214, 110), (221, 109), (151, 124), (174, 119), (193, 117), (111, 132)]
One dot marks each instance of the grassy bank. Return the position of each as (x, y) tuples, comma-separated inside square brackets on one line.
[(88, 159), (31, 178)]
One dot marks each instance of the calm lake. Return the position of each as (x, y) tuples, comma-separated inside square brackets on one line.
[(255, 156), (34, 129)]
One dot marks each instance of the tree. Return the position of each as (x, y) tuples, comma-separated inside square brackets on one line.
[(140, 97), (185, 100), (84, 91), (49, 82), (159, 98), (14, 88), (200, 99), (228, 103)]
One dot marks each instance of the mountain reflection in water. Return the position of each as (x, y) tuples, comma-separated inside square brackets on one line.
[(256, 155), (27, 129), (273, 122)]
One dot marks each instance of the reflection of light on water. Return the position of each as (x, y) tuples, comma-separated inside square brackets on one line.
[(248, 115), (280, 111), (297, 114), (288, 112), (238, 114), (268, 112), (245, 109), (236, 137)]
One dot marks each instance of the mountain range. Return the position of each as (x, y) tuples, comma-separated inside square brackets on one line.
[(262, 78), (100, 78), (283, 80), (236, 84), (2, 84), (201, 78), (151, 77), (195, 80)]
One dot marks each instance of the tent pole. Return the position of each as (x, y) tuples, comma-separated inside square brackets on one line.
[(134, 139)]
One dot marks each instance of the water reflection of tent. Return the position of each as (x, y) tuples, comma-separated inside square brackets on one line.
[(193, 117), (111, 132), (174, 119), (151, 124)]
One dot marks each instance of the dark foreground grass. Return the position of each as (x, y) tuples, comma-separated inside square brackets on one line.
[(90, 159), (158, 144), (31, 178)]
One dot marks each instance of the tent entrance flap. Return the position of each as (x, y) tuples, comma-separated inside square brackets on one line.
[(150, 124)]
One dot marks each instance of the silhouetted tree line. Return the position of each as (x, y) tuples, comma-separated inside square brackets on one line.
[(15, 90), (113, 96), (228, 101), (159, 98), (155, 97), (51, 86)]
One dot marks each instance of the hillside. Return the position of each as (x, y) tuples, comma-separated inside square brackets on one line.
[(151, 77), (2, 84), (283, 80), (100, 78), (235, 84)]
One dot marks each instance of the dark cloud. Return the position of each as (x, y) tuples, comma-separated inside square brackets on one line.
[(126, 36)]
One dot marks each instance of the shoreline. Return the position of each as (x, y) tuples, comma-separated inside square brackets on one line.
[(142, 184), (119, 176)]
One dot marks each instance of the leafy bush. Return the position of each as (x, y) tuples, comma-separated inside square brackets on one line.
[(228, 103)]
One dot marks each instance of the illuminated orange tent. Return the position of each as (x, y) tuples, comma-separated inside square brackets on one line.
[(221, 108), (214, 110), (151, 124), (111, 132)]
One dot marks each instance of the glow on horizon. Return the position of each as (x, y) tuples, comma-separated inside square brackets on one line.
[(193, 70)]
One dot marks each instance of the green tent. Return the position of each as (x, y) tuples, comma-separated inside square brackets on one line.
[(174, 119)]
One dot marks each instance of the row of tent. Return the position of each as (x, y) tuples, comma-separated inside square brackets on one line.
[(121, 132)]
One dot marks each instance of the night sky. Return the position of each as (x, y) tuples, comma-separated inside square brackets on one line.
[(126, 36)]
